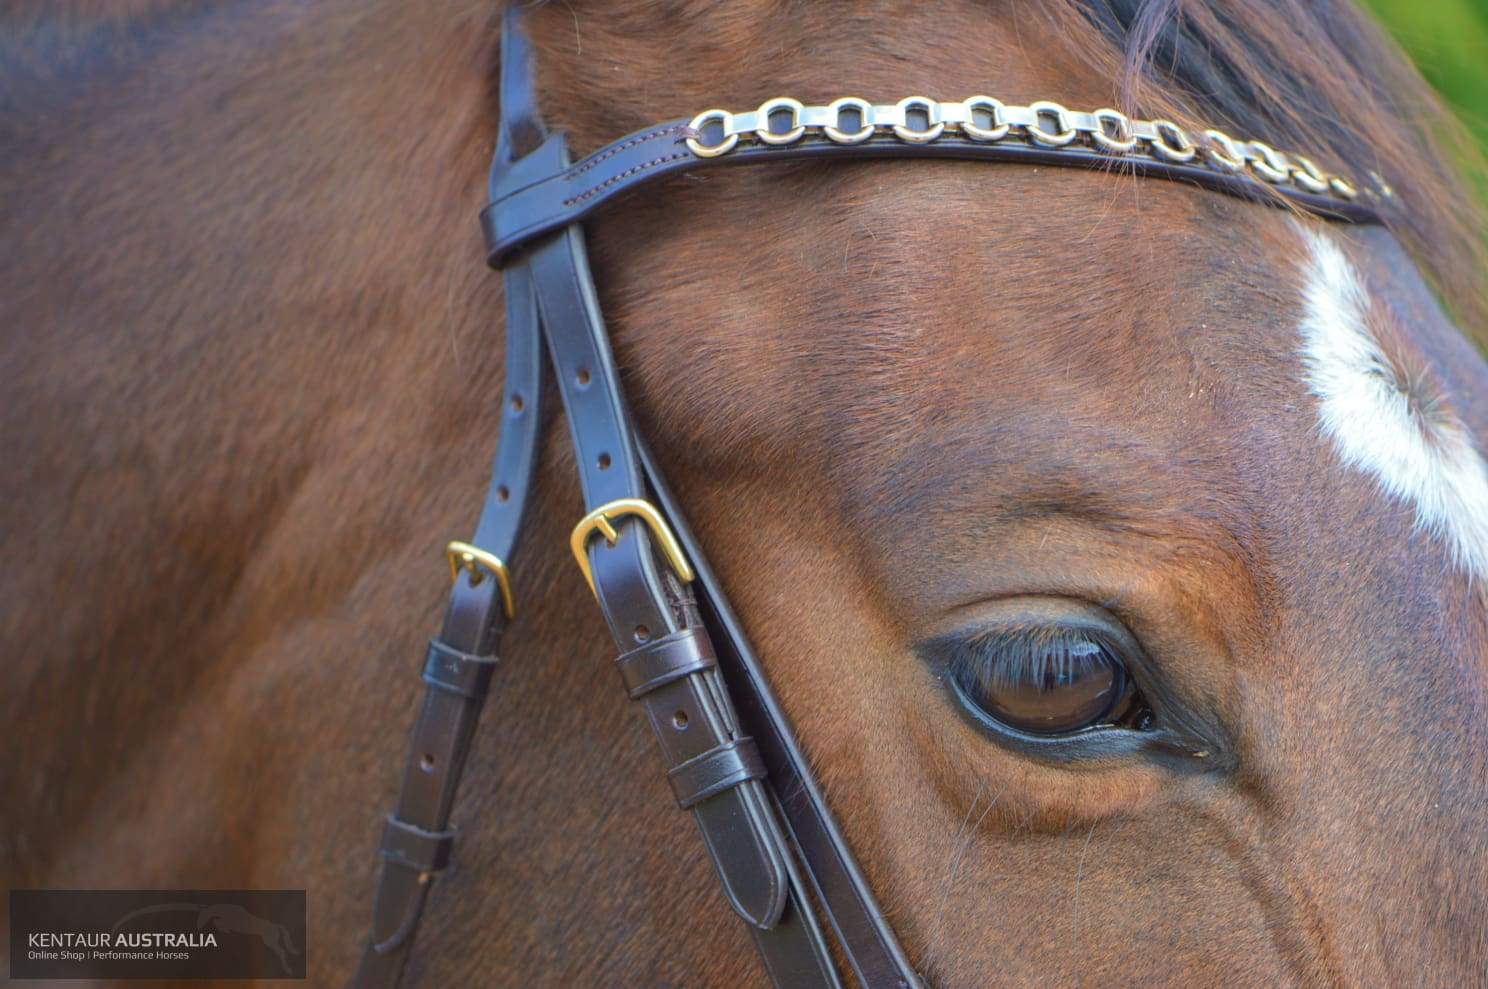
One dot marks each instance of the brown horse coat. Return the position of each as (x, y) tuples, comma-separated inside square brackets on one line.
[(250, 376)]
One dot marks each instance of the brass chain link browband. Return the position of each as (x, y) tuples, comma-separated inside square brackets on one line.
[(989, 120), (731, 755), (527, 203)]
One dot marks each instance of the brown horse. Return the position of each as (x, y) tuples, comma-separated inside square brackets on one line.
[(914, 410)]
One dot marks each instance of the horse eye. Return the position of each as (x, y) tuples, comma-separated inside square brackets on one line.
[(1046, 682)]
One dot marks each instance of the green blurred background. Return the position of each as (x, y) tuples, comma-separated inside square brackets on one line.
[(1448, 39)]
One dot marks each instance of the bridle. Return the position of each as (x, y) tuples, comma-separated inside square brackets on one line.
[(732, 757)]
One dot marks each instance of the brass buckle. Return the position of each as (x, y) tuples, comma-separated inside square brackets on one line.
[(463, 556), (600, 520)]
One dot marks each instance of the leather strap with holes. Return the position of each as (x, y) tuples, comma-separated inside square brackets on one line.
[(717, 769), (653, 619), (418, 839), (736, 768)]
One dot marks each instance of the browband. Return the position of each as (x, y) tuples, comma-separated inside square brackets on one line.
[(730, 753), (528, 201)]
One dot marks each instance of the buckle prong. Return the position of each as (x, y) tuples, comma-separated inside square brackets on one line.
[(602, 520), (463, 556)]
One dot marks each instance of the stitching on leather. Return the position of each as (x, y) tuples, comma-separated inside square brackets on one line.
[(512, 238), (585, 166), (622, 176)]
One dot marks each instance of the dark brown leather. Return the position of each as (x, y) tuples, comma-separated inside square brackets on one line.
[(412, 846), (738, 825), (728, 750), (417, 840), (720, 768), (664, 660), (457, 669), (713, 765), (417, 837), (527, 203), (838, 885), (689, 715), (459, 665), (458, 672)]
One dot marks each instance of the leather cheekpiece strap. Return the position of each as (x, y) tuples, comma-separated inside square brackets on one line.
[(689, 712), (688, 715), (868, 941), (417, 842)]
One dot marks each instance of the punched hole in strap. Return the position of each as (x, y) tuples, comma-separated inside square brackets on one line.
[(458, 672), (665, 660), (426, 851), (715, 771)]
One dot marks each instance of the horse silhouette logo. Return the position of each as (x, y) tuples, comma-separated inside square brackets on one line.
[(229, 918)]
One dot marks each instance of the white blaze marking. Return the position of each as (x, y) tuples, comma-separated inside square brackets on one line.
[(1425, 460)]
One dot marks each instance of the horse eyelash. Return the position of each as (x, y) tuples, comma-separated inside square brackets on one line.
[(1008, 657)]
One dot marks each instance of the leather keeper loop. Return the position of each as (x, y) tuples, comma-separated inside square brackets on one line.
[(458, 672), (426, 851), (670, 658), (715, 771)]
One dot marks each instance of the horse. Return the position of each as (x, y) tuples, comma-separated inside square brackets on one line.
[(929, 419)]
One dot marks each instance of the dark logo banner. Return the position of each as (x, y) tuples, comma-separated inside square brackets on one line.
[(157, 934)]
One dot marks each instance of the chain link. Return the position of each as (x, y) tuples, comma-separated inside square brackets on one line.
[(984, 119)]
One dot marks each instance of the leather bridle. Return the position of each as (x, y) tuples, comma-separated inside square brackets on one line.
[(732, 757)]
